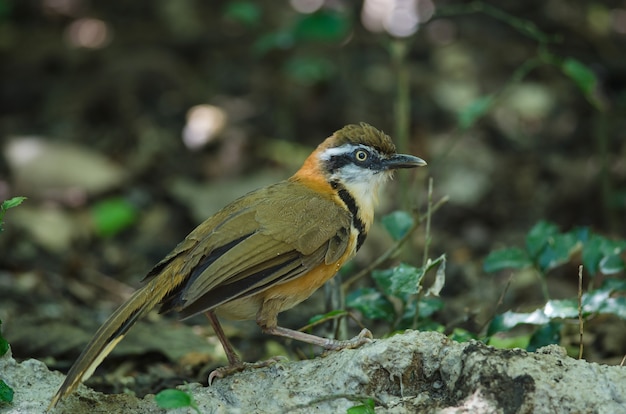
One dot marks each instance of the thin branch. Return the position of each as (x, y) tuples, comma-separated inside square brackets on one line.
[(580, 311), (500, 302), (429, 214)]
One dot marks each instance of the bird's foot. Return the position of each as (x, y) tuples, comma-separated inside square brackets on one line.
[(241, 366), (364, 337)]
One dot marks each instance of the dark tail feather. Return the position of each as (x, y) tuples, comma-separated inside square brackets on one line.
[(107, 337)]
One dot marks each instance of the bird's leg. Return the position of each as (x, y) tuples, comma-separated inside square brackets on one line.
[(233, 358), (234, 362), (267, 319)]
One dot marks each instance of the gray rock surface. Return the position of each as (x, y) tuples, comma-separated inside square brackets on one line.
[(421, 372)]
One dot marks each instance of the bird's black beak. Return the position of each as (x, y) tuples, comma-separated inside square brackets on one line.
[(403, 161)]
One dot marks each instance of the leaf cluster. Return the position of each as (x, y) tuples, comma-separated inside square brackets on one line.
[(6, 392), (547, 248), (7, 204), (399, 297)]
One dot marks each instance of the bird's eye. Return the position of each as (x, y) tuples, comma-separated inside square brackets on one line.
[(361, 155)]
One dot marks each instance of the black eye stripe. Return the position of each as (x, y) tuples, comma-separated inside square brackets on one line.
[(336, 162), (360, 157)]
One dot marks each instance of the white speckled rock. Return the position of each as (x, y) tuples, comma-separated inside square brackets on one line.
[(421, 372)]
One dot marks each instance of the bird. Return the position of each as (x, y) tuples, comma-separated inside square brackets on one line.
[(265, 252)]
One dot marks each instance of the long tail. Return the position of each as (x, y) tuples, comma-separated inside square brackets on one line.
[(109, 335)]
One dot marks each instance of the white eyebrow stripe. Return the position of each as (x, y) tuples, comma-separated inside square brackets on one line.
[(344, 149)]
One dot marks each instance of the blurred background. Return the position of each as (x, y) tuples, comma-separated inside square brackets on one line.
[(127, 123)]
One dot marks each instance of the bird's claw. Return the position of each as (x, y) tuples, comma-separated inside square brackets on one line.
[(241, 366), (364, 337)]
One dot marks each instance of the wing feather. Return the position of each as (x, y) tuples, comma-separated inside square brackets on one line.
[(267, 237)]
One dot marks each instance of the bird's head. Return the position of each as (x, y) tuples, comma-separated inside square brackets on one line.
[(362, 153), (358, 158)]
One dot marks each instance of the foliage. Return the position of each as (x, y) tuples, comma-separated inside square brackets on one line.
[(4, 345), (247, 13), (399, 298), (579, 73), (6, 392), (7, 204), (172, 398), (309, 66), (398, 224), (547, 248), (367, 407), (113, 215)]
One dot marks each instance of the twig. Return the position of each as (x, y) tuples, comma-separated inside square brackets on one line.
[(526, 27), (580, 311), (417, 297), (428, 216), (500, 302), (393, 249)]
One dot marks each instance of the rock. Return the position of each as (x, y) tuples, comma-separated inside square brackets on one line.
[(421, 372)]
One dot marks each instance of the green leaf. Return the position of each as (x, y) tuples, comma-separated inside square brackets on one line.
[(371, 303), (399, 281), (547, 334), (4, 345), (6, 392), (7, 204), (462, 335), (592, 254), (505, 259), (600, 300), (309, 70), (367, 407), (602, 255), (615, 306), (538, 237), (585, 79), (12, 202), (172, 398), (427, 307), (560, 309), (113, 215), (245, 12), (503, 342), (509, 320), (429, 325), (581, 75), (398, 224), (474, 111), (322, 26), (557, 250), (582, 234), (282, 40)]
